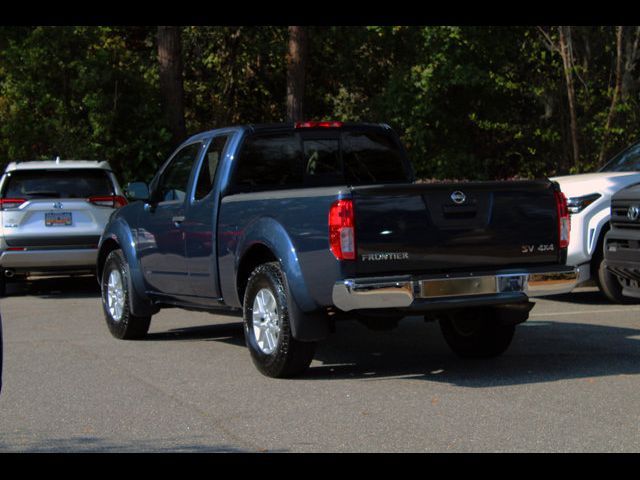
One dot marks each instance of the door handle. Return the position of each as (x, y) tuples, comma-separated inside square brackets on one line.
[(178, 219)]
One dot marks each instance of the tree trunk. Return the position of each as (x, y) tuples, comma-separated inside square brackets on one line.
[(632, 52), (171, 84), (565, 53), (616, 95), (296, 60)]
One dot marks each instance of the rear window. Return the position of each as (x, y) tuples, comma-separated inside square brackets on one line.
[(371, 157), (316, 158), (76, 183)]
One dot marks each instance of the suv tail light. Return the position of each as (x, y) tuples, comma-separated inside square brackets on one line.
[(564, 223), (342, 239), (8, 203), (113, 201)]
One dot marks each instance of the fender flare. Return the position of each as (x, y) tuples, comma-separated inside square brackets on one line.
[(597, 224), (268, 232), (118, 231), (308, 323)]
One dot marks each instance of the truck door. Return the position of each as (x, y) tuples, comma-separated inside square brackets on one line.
[(161, 233), (200, 226)]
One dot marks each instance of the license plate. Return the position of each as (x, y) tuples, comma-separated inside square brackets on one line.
[(58, 219)]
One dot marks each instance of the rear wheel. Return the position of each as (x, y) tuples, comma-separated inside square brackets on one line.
[(474, 333), (115, 300), (267, 326)]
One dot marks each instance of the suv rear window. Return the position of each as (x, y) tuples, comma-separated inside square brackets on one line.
[(72, 183), (319, 158)]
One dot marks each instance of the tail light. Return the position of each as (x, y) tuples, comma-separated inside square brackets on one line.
[(113, 201), (564, 223), (319, 124), (9, 203), (342, 239)]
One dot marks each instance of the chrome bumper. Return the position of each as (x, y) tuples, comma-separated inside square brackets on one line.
[(402, 292)]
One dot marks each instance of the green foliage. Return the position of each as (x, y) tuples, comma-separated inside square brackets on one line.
[(83, 93), (468, 102)]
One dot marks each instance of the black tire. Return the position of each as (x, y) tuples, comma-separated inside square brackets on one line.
[(606, 281), (3, 285), (475, 334), (126, 326), (289, 357)]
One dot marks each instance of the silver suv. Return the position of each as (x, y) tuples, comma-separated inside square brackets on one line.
[(52, 214)]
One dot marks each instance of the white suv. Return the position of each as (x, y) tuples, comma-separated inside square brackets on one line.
[(589, 200), (52, 214)]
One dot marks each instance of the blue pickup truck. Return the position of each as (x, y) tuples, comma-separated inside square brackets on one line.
[(297, 226)]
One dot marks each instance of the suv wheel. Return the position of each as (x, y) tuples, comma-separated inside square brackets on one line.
[(115, 300), (267, 326)]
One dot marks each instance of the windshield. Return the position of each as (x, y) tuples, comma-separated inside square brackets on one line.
[(76, 183), (626, 161)]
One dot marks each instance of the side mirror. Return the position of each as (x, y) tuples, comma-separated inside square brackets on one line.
[(137, 191)]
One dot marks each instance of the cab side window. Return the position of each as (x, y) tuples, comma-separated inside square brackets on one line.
[(207, 173), (268, 162), (173, 182)]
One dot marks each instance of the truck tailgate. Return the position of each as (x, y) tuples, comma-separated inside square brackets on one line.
[(434, 228)]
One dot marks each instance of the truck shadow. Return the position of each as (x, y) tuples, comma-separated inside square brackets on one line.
[(230, 333), (542, 351)]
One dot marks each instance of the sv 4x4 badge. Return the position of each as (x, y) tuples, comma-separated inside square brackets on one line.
[(543, 247)]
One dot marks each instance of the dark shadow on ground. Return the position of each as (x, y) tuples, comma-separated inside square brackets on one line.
[(542, 351), (231, 333), (99, 445)]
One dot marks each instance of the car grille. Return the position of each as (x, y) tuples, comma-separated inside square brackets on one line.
[(619, 217)]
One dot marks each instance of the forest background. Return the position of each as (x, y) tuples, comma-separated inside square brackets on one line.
[(468, 102)]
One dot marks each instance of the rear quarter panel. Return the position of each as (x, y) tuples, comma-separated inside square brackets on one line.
[(293, 224)]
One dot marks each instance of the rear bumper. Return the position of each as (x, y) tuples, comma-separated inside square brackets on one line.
[(447, 291), (49, 260)]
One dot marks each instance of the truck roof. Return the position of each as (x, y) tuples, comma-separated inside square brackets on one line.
[(291, 125), (54, 164)]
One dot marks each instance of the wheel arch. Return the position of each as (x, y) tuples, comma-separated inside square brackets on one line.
[(108, 246), (307, 324), (119, 236), (255, 255)]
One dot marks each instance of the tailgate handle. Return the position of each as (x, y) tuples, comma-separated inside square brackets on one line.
[(178, 219)]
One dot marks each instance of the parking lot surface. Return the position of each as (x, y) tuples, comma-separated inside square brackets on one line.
[(568, 383)]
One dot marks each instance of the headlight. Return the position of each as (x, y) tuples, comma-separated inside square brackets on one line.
[(577, 204)]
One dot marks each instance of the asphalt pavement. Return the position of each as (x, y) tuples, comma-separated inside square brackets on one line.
[(568, 383)]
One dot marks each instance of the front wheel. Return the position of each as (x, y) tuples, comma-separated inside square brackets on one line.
[(474, 333), (267, 326), (607, 282), (115, 300)]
